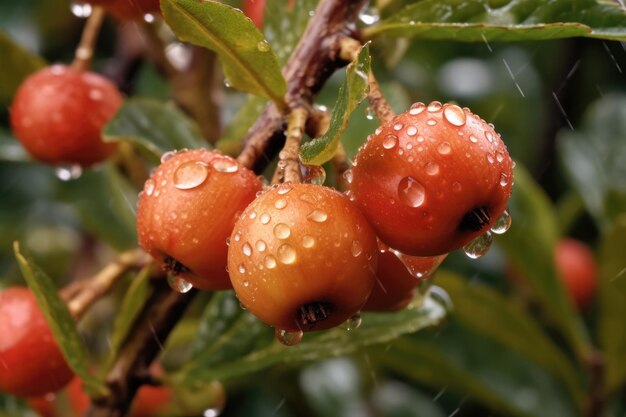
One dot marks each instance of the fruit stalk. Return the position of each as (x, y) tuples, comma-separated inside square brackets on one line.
[(289, 162), (84, 51)]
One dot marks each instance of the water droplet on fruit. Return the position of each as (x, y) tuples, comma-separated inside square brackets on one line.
[(442, 297), (416, 109), (390, 141), (280, 203), (288, 338), (352, 323), (284, 189), (473, 139), (246, 283), (313, 174), (265, 218), (318, 216), (398, 127), (308, 241), (500, 156), (504, 181), (241, 269), (270, 262), (479, 246), (247, 249), (434, 106), (69, 172), (81, 10), (237, 237), (432, 168), (167, 156), (502, 224), (411, 131), (260, 245), (282, 231), (411, 192), (190, 175), (357, 248), (444, 148), (179, 284), (369, 114), (431, 122), (148, 18), (348, 176), (490, 158), (148, 187), (225, 165), (263, 46), (286, 254), (489, 136), (454, 115), (308, 198)]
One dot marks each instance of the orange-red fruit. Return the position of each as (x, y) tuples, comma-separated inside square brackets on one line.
[(397, 277), (432, 179), (577, 267), (129, 9), (187, 211), (31, 363), (58, 114), (302, 257), (255, 10)]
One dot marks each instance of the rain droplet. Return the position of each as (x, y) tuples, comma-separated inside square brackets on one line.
[(247, 249), (504, 181), (444, 148), (263, 46), (352, 323), (489, 136), (369, 114), (148, 18), (252, 215), (167, 156), (502, 224), (282, 231), (246, 283), (280, 203), (190, 175), (270, 262), (432, 168), (241, 269), (313, 174), (431, 122), (417, 108), (357, 248), (308, 198), (500, 156), (308, 241), (178, 284), (479, 246), (69, 172), (411, 192), (81, 10), (318, 216), (398, 127), (490, 158), (225, 165), (288, 338), (441, 297), (473, 139), (348, 176), (265, 218), (284, 189), (454, 115), (286, 254), (390, 141), (411, 130), (434, 106), (260, 245)]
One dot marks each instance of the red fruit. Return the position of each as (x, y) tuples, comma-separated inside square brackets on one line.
[(255, 9), (432, 179), (31, 363), (44, 405), (302, 257), (58, 114), (577, 267), (129, 9), (187, 211)]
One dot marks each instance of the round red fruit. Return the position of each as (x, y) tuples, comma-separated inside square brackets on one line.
[(129, 9), (432, 179), (577, 267), (31, 363), (187, 211), (302, 257)]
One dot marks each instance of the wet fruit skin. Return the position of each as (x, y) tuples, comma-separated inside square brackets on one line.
[(577, 267), (255, 9), (432, 179), (395, 284), (129, 9), (302, 257), (185, 230), (58, 114), (31, 363)]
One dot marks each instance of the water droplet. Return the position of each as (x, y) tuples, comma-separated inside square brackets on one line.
[(353, 322), (479, 246), (288, 338), (148, 18), (260, 245), (246, 283), (348, 176), (190, 175), (490, 158), (411, 192), (265, 218), (454, 115), (263, 46), (282, 231), (227, 83), (308, 198), (473, 139), (167, 156), (456, 186), (398, 127), (247, 249), (252, 215), (504, 181), (270, 262), (416, 109), (286, 254), (148, 187), (444, 148), (409, 146), (225, 165), (442, 297), (178, 284), (390, 141), (313, 174), (241, 269), (434, 106), (318, 216), (81, 10), (280, 204), (432, 168), (308, 241), (357, 248), (499, 156), (489, 136), (369, 115), (284, 189), (411, 131), (69, 172), (431, 122), (502, 224)]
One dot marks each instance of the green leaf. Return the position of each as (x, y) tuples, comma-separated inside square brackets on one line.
[(595, 158), (529, 244), (105, 203), (506, 20), (485, 311), (284, 24), (17, 64), (353, 91), (248, 346), (474, 366), (612, 305), (231, 141), (249, 62), (155, 126), (60, 321)]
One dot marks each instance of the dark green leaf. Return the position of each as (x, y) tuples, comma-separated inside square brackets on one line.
[(529, 244), (284, 24), (17, 64), (595, 158), (223, 358), (60, 321), (231, 141), (351, 94), (10, 148), (155, 126), (219, 315), (507, 20), (612, 305), (249, 62), (487, 312)]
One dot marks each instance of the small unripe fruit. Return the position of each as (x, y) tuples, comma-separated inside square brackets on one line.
[(129, 9), (58, 114), (187, 211), (432, 179), (302, 257), (31, 363), (577, 267)]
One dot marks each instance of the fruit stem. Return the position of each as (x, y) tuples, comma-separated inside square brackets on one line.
[(289, 162), (86, 46)]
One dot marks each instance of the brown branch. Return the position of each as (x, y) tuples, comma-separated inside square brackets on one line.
[(289, 161), (84, 51), (596, 399), (314, 60)]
